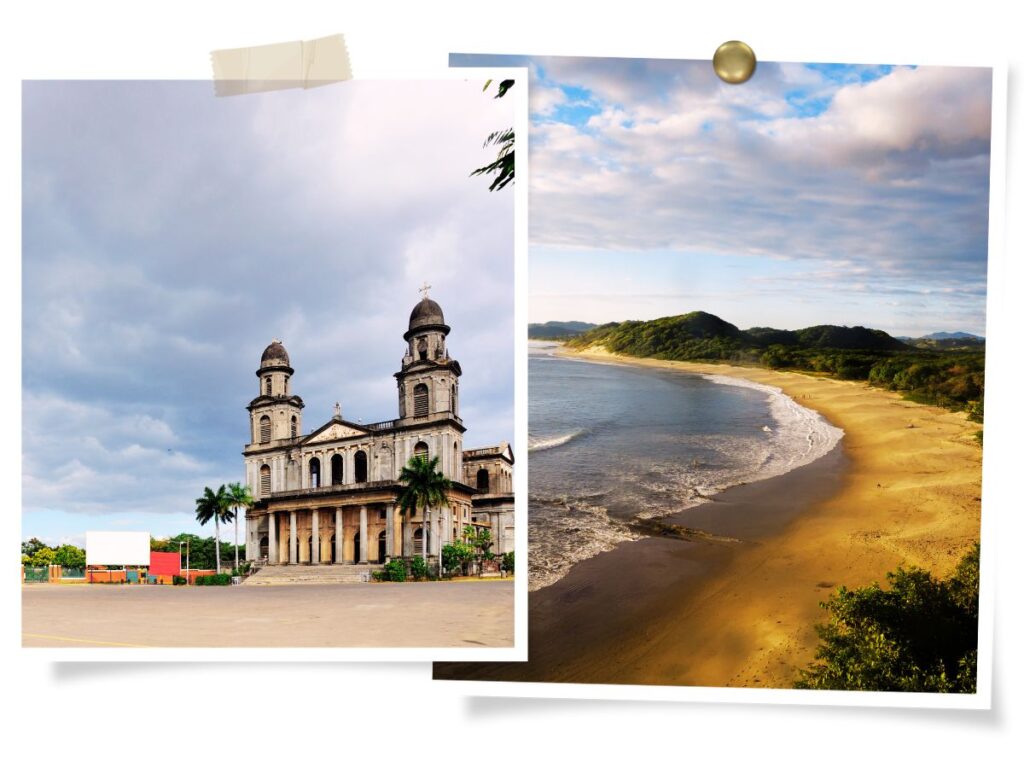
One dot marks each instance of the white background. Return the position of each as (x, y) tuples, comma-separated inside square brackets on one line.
[(343, 713), (116, 548)]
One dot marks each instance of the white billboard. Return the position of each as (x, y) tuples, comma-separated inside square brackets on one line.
[(117, 548)]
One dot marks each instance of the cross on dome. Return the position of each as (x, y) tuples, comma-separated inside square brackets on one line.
[(426, 287)]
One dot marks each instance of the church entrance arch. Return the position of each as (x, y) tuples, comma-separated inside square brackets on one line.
[(382, 547), (334, 551), (264, 547), (355, 548)]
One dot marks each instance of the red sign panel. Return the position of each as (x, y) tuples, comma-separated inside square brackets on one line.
[(165, 563)]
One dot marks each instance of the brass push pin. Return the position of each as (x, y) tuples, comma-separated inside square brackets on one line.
[(734, 62)]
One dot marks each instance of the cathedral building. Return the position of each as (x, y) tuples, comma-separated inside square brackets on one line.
[(331, 495)]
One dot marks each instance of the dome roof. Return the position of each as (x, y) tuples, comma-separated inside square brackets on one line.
[(275, 354), (427, 312)]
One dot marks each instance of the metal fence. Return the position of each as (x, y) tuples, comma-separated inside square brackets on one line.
[(37, 574), (72, 573)]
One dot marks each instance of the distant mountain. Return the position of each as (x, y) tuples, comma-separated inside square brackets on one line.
[(946, 340), (558, 329), (940, 335)]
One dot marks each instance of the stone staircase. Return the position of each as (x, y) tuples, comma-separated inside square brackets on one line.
[(309, 574)]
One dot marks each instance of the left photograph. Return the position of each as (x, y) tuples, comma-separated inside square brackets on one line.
[(268, 393)]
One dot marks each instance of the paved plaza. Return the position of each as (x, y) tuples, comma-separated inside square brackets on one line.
[(432, 614)]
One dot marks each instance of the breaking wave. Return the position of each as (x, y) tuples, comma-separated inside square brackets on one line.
[(546, 443)]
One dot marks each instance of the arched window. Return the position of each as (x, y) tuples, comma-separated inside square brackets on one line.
[(360, 466), (264, 429), (417, 541), (295, 426), (421, 449), (454, 403), (420, 400), (423, 349), (266, 385), (314, 473), (483, 480), (265, 480), (337, 470)]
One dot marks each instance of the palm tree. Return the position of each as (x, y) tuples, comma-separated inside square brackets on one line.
[(425, 487), (215, 506), (239, 497)]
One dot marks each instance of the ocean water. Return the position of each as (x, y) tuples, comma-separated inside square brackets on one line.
[(610, 444)]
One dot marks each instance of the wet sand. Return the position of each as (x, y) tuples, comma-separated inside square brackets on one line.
[(739, 608)]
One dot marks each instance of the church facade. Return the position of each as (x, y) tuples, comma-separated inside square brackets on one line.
[(331, 496)]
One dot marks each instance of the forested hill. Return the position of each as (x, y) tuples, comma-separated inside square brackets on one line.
[(703, 336), (952, 378)]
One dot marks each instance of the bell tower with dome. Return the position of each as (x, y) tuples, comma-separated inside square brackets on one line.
[(428, 384), (275, 413)]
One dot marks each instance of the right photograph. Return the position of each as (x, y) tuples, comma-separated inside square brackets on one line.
[(756, 375)]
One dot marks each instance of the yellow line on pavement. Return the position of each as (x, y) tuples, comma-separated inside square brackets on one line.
[(83, 640)]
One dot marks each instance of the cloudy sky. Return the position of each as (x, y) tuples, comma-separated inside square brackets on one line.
[(854, 195), (169, 235)]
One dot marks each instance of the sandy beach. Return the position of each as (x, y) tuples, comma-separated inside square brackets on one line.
[(739, 608)]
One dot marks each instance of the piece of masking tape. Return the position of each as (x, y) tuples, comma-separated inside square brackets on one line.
[(298, 64)]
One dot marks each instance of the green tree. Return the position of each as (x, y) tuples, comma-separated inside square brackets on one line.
[(41, 557), (480, 540), (919, 635), (457, 555), (508, 562), (31, 546), (214, 506), (240, 498), (505, 140), (425, 488), (69, 556)]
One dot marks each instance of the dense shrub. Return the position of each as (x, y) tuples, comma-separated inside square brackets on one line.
[(919, 635), (508, 562), (418, 566), (214, 580), (178, 580), (396, 570)]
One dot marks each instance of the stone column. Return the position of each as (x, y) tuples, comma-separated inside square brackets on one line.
[(273, 555), (339, 536), (314, 556), (390, 531), (293, 544), (362, 534)]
